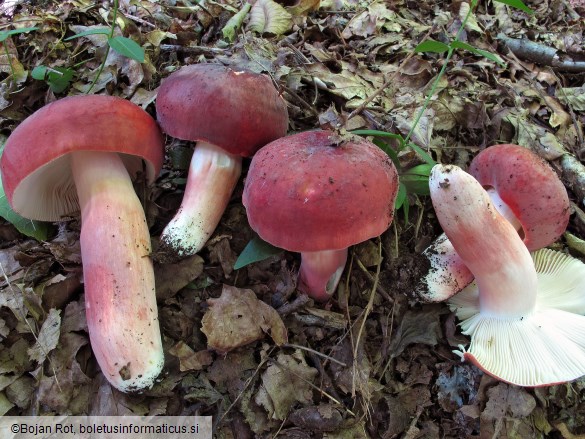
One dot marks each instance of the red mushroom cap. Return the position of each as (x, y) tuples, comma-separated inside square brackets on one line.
[(530, 188), (35, 172), (317, 191), (239, 111)]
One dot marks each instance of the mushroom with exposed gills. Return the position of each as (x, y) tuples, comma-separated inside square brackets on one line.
[(230, 114), (79, 154), (317, 193), (524, 317), (525, 190)]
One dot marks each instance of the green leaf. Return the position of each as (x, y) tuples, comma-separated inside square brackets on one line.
[(379, 134), (431, 46), (89, 32), (58, 78), (234, 23), (256, 250), (180, 157), (517, 4), (416, 184), (7, 33), (389, 151), (400, 197), (383, 146), (127, 47), (491, 56), (416, 179), (39, 73), (34, 229)]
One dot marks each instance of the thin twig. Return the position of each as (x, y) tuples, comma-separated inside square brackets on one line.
[(365, 315), (140, 20), (246, 384), (193, 50), (313, 351), (371, 278)]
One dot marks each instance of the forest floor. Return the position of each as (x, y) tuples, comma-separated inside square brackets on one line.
[(372, 363)]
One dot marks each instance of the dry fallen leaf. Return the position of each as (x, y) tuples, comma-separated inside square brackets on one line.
[(170, 278), (238, 318), (268, 17), (417, 327), (284, 383), (189, 359), (48, 337), (505, 399)]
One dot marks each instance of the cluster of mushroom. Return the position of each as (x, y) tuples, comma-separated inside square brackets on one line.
[(525, 313), (80, 154), (316, 193)]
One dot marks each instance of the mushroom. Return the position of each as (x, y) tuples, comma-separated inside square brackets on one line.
[(79, 154), (525, 190), (318, 193), (230, 114), (524, 316)]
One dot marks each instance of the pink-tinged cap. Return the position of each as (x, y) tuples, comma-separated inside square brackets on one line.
[(35, 167), (317, 191), (529, 187), (239, 111)]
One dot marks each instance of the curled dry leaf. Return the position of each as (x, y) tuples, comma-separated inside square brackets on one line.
[(189, 359), (48, 337), (268, 17), (285, 382), (238, 318)]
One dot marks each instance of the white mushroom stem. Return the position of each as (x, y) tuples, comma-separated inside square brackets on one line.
[(213, 175), (448, 274), (486, 243), (320, 273), (120, 299)]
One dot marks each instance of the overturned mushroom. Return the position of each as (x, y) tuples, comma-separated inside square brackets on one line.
[(525, 190), (524, 317)]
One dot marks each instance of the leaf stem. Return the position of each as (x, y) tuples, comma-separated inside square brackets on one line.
[(110, 36), (441, 73)]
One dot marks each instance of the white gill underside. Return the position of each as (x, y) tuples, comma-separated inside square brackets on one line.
[(543, 347), (49, 193)]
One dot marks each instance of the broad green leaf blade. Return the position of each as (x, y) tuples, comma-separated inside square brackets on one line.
[(235, 23), (34, 229), (400, 197), (256, 250), (127, 47), (423, 170), (431, 46), (517, 4), (416, 179), (180, 157), (383, 134), (89, 32), (379, 134), (389, 151), (59, 79), (491, 56), (7, 33), (39, 72)]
